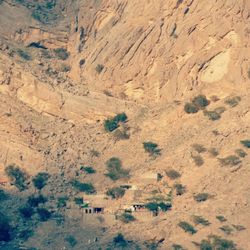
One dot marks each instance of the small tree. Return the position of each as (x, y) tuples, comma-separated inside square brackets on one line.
[(17, 176), (151, 148), (36, 200), (201, 197), (44, 214), (26, 211), (88, 170), (40, 180), (87, 188), (187, 227), (120, 241), (116, 192), (126, 217)]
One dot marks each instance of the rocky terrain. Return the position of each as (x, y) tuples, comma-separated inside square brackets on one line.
[(122, 103)]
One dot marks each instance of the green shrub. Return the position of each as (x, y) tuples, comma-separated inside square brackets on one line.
[(213, 152), (199, 148), (200, 101), (113, 123), (26, 211), (44, 214), (99, 68), (5, 228), (179, 189), (62, 201), (87, 188), (231, 160), (152, 206), (115, 170), (177, 247), (116, 192), (226, 229), (217, 243), (71, 240), (78, 200), (126, 217), (36, 200), (233, 101), (221, 218), (120, 241), (61, 53), (188, 228), (24, 55), (151, 148), (40, 180), (241, 153), (155, 206), (173, 174), (200, 220), (198, 160), (190, 108), (44, 13), (201, 197), (212, 115), (17, 176), (88, 170), (246, 143)]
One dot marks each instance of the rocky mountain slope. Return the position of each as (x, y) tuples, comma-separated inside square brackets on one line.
[(178, 69)]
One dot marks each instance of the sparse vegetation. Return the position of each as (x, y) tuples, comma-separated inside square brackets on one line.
[(62, 201), (87, 188), (36, 200), (198, 160), (188, 228), (24, 55), (122, 134), (61, 53), (17, 176), (241, 153), (190, 108), (173, 174), (151, 148), (99, 68), (71, 240), (156, 206), (201, 197), (3, 195), (231, 160), (40, 180), (221, 218), (213, 152), (179, 189), (246, 143), (126, 217), (115, 169), (212, 115), (216, 242), (5, 228), (26, 211), (44, 214), (199, 148), (239, 227), (113, 123), (200, 220), (88, 170), (198, 102), (177, 247), (233, 101), (78, 200), (120, 241), (116, 192), (226, 229)]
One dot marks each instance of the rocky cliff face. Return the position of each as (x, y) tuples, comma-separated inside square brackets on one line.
[(66, 66)]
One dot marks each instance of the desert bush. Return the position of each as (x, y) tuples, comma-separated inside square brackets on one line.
[(116, 192), (126, 217), (17, 176), (226, 229), (120, 241), (220, 110), (5, 228), (216, 242), (233, 101), (40, 180), (239, 227), (62, 201), (190, 108), (199, 148), (112, 124), (212, 115), (231, 160), (156, 206), (88, 170), (201, 197), (36, 200), (44, 13), (115, 169), (200, 101), (241, 153), (200, 220), (173, 174), (78, 200), (188, 228), (179, 189), (213, 152), (44, 214), (24, 55), (177, 247), (99, 68), (151, 148), (26, 211), (71, 240), (121, 134), (61, 53), (198, 160), (221, 218), (246, 143), (87, 188)]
